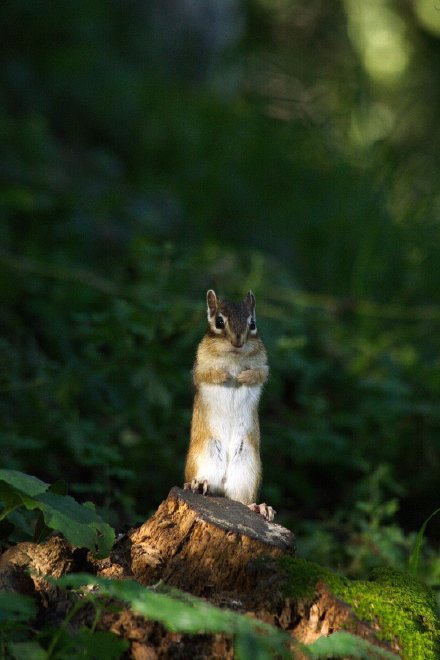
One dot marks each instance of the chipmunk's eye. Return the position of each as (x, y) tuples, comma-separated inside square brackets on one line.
[(252, 325), (219, 322)]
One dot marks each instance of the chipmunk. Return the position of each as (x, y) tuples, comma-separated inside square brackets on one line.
[(230, 369)]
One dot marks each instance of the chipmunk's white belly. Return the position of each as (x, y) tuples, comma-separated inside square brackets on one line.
[(230, 463), (230, 411)]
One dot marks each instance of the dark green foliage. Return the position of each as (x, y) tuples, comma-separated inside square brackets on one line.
[(142, 165), (19, 639), (16, 608)]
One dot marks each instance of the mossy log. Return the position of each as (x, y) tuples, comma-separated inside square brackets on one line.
[(222, 551)]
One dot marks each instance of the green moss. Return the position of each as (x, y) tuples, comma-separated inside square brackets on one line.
[(403, 607)]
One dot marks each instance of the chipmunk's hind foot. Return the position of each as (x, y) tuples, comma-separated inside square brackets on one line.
[(197, 486), (263, 510)]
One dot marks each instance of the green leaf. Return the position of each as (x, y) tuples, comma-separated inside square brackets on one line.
[(181, 612), (95, 646), (414, 558), (16, 607), (15, 487), (25, 483), (248, 646), (10, 498), (41, 529), (80, 525), (342, 644), (27, 651), (21, 521)]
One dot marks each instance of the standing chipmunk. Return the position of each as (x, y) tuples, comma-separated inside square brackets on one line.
[(229, 372)]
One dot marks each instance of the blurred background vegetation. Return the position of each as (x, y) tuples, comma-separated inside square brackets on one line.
[(151, 149)]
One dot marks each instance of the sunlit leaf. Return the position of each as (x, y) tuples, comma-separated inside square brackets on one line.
[(414, 558)]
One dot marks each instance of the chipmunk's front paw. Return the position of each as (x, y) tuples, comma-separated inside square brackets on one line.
[(263, 510), (219, 376), (197, 486), (247, 376)]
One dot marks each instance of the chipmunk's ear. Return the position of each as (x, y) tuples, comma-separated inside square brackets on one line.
[(212, 303), (250, 301)]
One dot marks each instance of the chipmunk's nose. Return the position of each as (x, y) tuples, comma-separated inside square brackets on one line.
[(237, 341)]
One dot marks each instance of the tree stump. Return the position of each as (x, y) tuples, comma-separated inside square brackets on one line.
[(221, 550), (204, 544)]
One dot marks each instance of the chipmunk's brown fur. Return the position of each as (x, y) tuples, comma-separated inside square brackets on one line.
[(230, 369)]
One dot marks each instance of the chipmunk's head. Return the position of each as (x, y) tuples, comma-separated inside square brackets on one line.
[(234, 321)]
